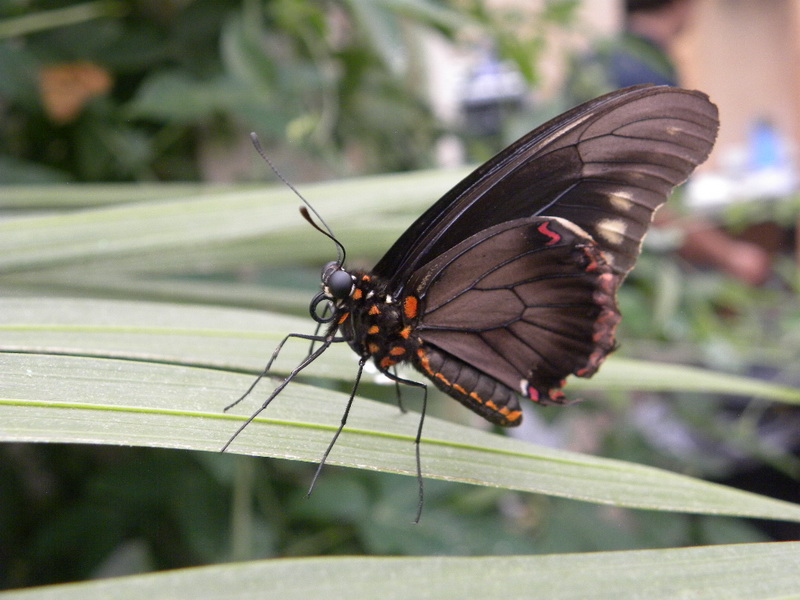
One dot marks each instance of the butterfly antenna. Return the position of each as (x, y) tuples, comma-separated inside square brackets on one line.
[(340, 251), (324, 228)]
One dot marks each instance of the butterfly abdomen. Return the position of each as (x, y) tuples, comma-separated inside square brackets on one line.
[(477, 391)]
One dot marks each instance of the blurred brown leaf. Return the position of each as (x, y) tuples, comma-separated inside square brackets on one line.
[(66, 88)]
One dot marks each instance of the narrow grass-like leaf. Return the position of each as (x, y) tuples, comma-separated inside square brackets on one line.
[(737, 572), (54, 398), (197, 228), (31, 198), (241, 340), (136, 373), (630, 374), (42, 20)]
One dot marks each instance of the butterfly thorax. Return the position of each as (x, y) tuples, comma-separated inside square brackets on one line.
[(377, 325)]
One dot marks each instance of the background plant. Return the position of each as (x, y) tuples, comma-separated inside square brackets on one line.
[(331, 87)]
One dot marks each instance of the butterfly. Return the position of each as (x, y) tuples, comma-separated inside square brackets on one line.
[(507, 285)]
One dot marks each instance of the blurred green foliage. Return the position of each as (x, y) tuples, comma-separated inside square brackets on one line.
[(322, 77), (73, 513), (338, 84), (337, 87)]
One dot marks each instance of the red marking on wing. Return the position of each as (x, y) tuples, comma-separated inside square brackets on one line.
[(554, 237)]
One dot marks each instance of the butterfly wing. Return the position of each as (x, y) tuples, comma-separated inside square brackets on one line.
[(526, 303), (605, 165), (516, 269)]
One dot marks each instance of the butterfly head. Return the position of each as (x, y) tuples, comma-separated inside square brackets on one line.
[(337, 284)]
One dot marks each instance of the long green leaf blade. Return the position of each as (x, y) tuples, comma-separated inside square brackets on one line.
[(53, 398), (746, 572)]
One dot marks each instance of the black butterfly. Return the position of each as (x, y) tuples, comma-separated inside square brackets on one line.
[(508, 283)]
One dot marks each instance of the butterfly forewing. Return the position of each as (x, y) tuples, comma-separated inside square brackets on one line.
[(605, 166)]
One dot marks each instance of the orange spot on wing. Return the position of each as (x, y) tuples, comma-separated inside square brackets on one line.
[(410, 307)]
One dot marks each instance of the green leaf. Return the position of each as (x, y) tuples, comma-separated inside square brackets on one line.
[(196, 229), (746, 572), (158, 374), (176, 97), (149, 374), (43, 20), (629, 374)]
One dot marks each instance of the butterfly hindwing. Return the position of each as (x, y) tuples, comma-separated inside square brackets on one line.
[(525, 303)]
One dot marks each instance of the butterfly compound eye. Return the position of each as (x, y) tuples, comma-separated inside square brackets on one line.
[(339, 283), (328, 270)]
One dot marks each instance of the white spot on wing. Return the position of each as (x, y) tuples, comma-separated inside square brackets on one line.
[(612, 230), (569, 225), (621, 200)]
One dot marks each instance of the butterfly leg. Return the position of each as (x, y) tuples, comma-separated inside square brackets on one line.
[(326, 342), (313, 338), (397, 391), (418, 438), (343, 422)]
